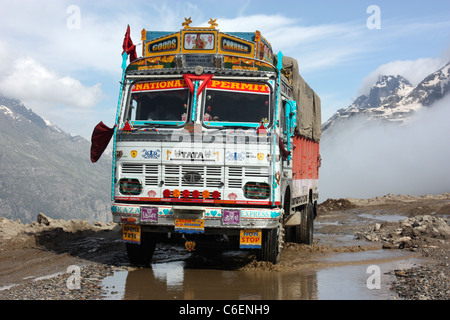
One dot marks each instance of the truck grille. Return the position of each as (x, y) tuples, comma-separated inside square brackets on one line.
[(210, 176), (132, 168), (235, 175), (150, 171)]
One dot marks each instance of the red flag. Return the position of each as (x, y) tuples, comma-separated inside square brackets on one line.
[(128, 46), (100, 139)]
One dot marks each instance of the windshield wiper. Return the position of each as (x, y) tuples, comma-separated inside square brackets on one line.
[(163, 123)]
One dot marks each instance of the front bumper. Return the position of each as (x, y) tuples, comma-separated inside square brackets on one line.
[(164, 216)]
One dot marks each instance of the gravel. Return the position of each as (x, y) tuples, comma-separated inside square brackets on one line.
[(423, 283), (60, 287)]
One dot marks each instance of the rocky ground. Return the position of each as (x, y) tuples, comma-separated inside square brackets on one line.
[(35, 257), (425, 231)]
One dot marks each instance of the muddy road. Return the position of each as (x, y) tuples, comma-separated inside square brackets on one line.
[(392, 247)]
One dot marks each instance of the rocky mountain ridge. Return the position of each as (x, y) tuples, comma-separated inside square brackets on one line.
[(395, 99)]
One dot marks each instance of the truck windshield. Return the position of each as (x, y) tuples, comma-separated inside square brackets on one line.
[(158, 103), (236, 104)]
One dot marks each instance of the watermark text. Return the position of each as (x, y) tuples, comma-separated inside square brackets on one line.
[(374, 20)]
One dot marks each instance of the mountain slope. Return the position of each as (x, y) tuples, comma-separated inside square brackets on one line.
[(43, 169)]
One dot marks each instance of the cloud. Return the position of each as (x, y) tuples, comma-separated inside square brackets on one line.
[(29, 81), (45, 33), (62, 99), (365, 159)]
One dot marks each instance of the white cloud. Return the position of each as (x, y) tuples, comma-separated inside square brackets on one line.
[(31, 82), (43, 33), (62, 99)]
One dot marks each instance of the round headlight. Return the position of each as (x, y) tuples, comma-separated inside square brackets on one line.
[(129, 186)]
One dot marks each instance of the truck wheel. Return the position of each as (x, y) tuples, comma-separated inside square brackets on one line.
[(270, 246), (304, 231), (142, 254)]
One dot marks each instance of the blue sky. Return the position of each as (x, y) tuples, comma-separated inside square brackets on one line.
[(62, 58)]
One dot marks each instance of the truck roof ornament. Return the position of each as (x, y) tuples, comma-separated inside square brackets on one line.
[(186, 23), (207, 47)]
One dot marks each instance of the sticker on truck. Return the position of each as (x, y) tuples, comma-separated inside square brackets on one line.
[(149, 214), (190, 225), (250, 239)]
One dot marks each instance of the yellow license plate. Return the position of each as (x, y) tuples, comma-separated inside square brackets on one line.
[(131, 233), (250, 239), (190, 225)]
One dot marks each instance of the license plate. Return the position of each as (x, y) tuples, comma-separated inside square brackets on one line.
[(131, 233), (190, 225), (250, 239), (149, 214)]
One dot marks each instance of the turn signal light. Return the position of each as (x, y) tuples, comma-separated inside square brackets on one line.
[(205, 194), (176, 193)]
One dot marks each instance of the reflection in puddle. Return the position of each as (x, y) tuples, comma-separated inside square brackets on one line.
[(168, 281), (176, 280), (171, 273)]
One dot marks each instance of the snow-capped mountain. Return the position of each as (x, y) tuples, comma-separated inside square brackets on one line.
[(44, 169), (394, 99), (434, 87)]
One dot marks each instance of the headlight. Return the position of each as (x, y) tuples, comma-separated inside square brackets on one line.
[(256, 190), (130, 186)]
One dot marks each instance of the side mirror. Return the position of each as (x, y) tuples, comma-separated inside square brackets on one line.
[(291, 115), (291, 122)]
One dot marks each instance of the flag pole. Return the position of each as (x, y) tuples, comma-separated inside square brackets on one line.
[(275, 125), (124, 66)]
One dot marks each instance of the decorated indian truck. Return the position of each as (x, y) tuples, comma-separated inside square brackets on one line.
[(215, 144)]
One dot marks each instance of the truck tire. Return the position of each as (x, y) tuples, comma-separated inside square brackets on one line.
[(142, 254), (270, 246), (304, 231)]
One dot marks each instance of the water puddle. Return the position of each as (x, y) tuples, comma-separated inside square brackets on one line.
[(357, 282), (340, 276), (384, 217)]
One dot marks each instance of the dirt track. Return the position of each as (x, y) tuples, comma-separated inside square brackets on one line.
[(415, 226)]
